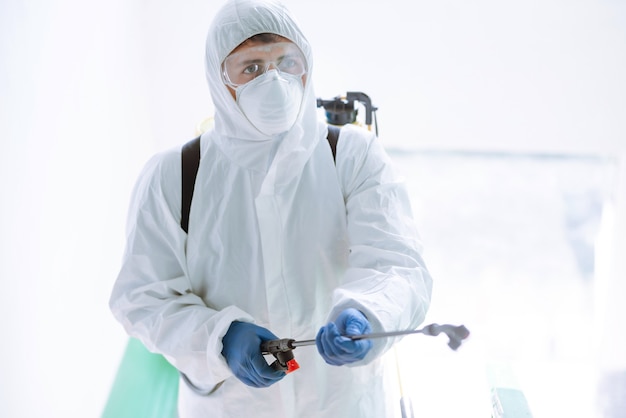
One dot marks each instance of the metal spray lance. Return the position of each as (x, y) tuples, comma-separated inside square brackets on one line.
[(282, 349)]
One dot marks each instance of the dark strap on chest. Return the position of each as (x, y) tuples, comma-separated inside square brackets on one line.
[(190, 160), (333, 137)]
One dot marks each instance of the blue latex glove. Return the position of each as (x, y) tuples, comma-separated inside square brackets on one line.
[(338, 350), (242, 351)]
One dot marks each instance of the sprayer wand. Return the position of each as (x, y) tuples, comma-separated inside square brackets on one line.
[(282, 349)]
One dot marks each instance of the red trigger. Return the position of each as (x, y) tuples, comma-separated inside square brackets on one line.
[(292, 365)]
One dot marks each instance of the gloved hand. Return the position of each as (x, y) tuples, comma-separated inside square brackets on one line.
[(338, 350), (242, 351)]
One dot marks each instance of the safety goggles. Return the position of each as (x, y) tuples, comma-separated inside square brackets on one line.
[(244, 66)]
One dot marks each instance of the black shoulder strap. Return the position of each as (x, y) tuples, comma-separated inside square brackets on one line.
[(190, 160), (333, 137)]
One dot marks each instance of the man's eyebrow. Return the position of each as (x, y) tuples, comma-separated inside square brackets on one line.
[(261, 60), (252, 61)]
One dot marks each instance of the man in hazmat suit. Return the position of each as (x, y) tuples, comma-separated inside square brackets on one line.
[(282, 241)]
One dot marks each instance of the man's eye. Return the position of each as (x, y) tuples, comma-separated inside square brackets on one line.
[(291, 65), (288, 63), (252, 69)]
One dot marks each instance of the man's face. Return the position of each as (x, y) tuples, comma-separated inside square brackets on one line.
[(253, 58)]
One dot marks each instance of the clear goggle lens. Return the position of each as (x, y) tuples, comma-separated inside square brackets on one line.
[(244, 66)]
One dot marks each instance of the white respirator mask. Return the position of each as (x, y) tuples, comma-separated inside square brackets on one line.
[(271, 101)]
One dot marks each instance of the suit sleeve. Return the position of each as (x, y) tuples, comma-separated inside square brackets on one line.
[(386, 278), (152, 296)]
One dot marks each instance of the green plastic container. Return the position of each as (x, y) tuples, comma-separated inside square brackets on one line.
[(146, 386)]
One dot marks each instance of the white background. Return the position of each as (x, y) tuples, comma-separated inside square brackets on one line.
[(90, 90)]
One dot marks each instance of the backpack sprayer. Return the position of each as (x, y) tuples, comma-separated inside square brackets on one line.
[(341, 110)]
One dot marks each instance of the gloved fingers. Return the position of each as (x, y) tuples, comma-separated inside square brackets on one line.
[(324, 344), (352, 350), (265, 334), (241, 349), (361, 348), (255, 372), (264, 370), (352, 322), (338, 350), (357, 327), (322, 340), (260, 374)]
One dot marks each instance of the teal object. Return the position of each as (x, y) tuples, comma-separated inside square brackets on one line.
[(507, 398), (146, 386), (509, 403)]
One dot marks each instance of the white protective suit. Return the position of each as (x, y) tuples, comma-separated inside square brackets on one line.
[(279, 235)]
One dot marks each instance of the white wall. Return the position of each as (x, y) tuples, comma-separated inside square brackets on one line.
[(533, 75), (72, 124), (89, 91)]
